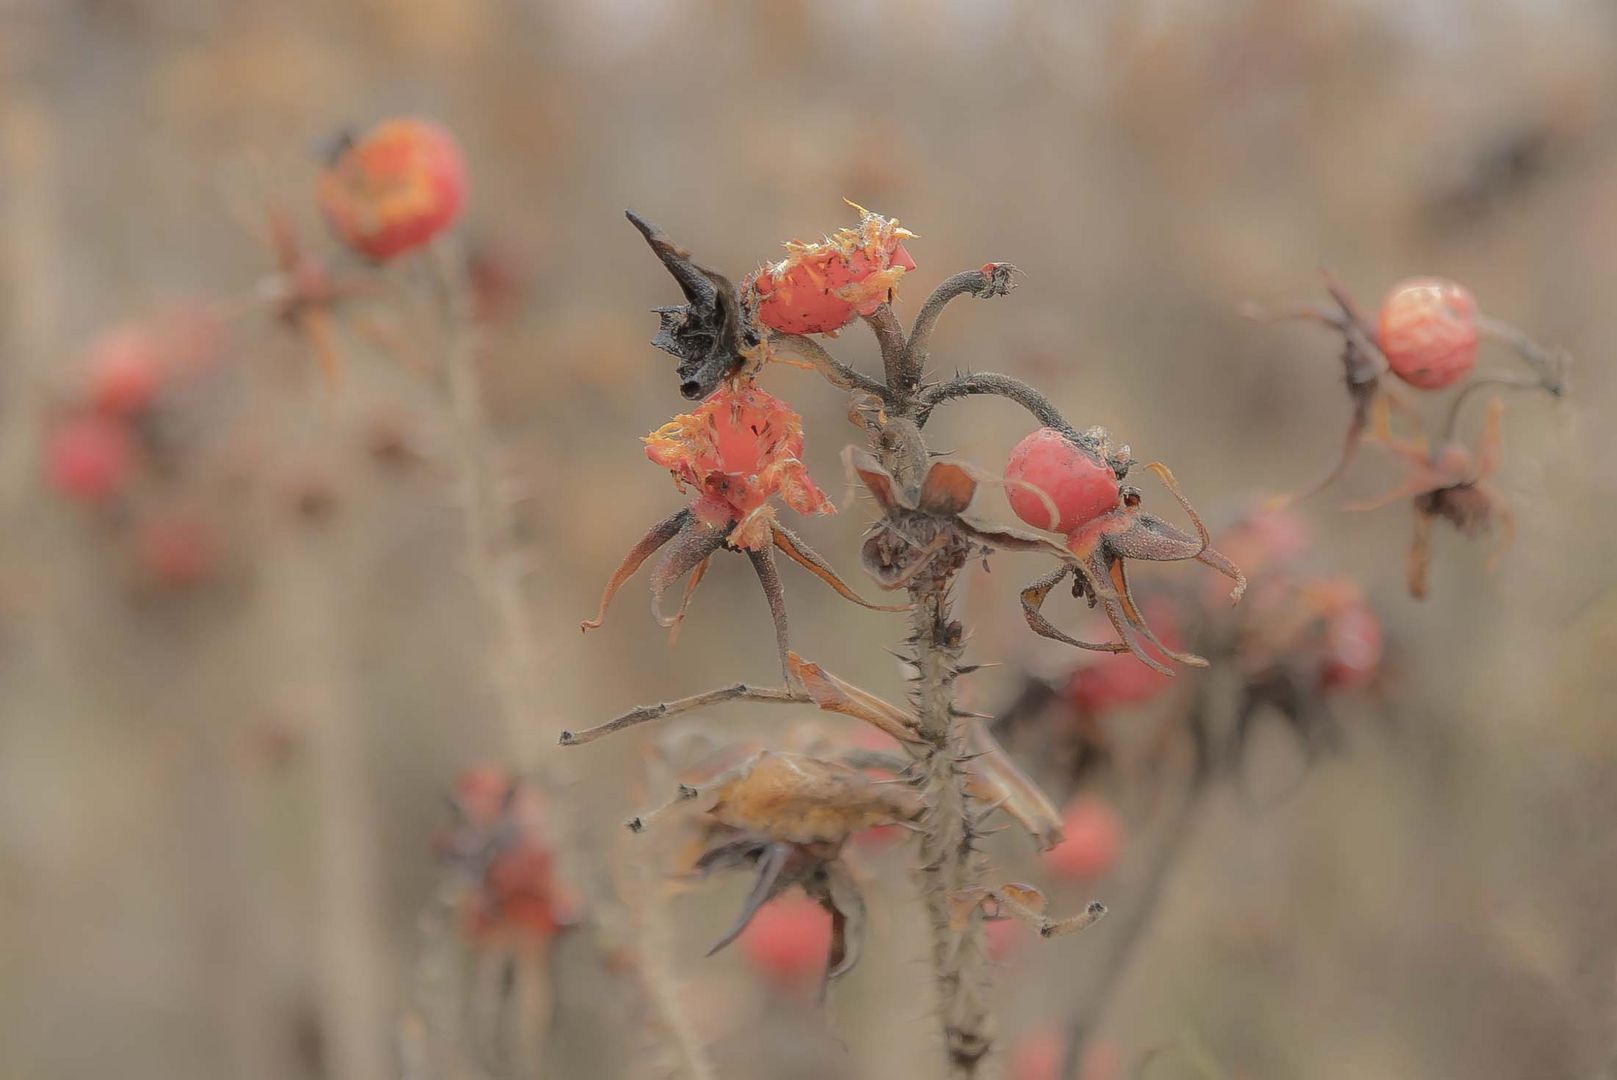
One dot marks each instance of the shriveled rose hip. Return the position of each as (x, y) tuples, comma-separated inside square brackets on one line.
[(88, 458), (787, 941), (1092, 840), (1078, 482), (819, 288), (394, 188), (1428, 332)]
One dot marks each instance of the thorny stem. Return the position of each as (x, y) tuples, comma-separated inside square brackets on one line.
[(950, 862)]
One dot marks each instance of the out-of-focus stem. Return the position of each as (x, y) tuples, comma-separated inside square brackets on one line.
[(1138, 910), (515, 664)]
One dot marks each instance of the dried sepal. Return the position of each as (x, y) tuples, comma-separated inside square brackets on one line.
[(834, 695), (658, 535), (994, 778), (1022, 902), (809, 559), (778, 866), (709, 333)]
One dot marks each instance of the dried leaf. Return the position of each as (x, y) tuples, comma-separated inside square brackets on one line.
[(804, 800), (994, 778)]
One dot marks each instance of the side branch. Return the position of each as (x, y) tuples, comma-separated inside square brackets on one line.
[(835, 371), (1004, 386), (994, 279), (903, 377), (642, 714)]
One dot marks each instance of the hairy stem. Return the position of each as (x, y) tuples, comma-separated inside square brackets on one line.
[(835, 371), (950, 862), (994, 279), (1004, 386), (897, 363)]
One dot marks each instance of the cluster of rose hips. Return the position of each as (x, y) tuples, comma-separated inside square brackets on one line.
[(116, 445), (120, 442), (1427, 335)]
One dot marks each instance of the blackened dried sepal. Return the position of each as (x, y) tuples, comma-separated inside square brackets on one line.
[(710, 333)]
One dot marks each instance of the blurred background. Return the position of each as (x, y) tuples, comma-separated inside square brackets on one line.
[(234, 698)]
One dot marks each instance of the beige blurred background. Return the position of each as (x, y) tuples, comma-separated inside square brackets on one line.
[(191, 779)]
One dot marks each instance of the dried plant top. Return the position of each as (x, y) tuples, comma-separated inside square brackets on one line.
[(786, 815)]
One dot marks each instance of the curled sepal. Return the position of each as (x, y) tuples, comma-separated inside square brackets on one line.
[(689, 549), (809, 559), (709, 333), (658, 535), (993, 778), (1022, 902), (818, 869)]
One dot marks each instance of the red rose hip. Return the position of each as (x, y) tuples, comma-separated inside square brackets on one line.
[(394, 188), (1078, 482), (1428, 332)]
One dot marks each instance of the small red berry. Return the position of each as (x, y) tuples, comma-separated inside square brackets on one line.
[(394, 188), (89, 458), (1428, 332), (124, 374), (1077, 481), (1092, 840), (788, 940)]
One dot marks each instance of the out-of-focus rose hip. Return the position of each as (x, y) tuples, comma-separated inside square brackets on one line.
[(123, 373), (1039, 1054), (787, 941), (177, 551), (89, 458), (394, 188), (1428, 332), (1080, 485), (819, 288), (1092, 839), (1353, 644)]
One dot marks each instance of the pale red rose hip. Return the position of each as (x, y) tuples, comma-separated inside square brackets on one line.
[(1092, 840), (1428, 332), (1078, 482), (89, 458), (787, 941), (394, 188)]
